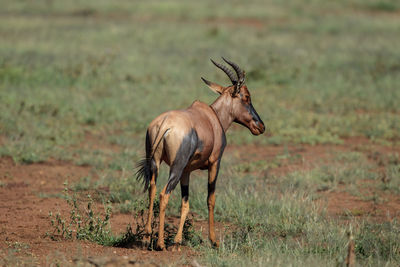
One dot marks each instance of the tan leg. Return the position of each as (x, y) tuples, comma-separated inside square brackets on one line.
[(163, 204), (184, 209), (152, 195), (212, 179)]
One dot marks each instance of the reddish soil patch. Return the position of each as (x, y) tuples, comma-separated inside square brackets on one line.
[(249, 22), (29, 192), (27, 195)]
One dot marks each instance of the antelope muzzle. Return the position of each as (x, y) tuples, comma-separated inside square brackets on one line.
[(257, 126)]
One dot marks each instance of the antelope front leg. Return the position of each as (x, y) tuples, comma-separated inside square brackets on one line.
[(163, 204), (184, 210), (147, 228), (212, 179)]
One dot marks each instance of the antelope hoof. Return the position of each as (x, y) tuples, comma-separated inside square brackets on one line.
[(160, 247), (146, 241), (175, 247), (215, 244)]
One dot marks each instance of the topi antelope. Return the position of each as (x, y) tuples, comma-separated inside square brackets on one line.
[(191, 139)]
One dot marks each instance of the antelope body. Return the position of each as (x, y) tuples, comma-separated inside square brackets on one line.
[(191, 139)]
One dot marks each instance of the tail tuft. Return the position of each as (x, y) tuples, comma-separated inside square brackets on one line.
[(144, 172)]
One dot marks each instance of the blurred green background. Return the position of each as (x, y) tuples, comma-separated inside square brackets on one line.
[(81, 80), (319, 71)]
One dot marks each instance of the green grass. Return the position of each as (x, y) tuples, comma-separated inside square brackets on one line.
[(274, 219), (279, 223), (391, 178), (269, 219), (318, 71), (317, 74)]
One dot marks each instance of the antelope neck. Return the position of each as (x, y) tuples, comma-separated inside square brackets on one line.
[(223, 110)]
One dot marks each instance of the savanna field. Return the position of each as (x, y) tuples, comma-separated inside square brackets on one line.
[(81, 80)]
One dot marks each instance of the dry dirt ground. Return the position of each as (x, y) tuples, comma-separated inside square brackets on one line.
[(28, 193)]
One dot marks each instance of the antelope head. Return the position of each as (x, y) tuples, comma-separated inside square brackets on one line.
[(236, 98)]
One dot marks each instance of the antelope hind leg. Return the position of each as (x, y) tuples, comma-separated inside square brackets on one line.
[(147, 229), (163, 204), (184, 211)]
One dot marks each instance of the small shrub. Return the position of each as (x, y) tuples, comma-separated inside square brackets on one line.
[(129, 238), (191, 237), (82, 224)]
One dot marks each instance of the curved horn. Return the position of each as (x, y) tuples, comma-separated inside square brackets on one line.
[(226, 70), (239, 72)]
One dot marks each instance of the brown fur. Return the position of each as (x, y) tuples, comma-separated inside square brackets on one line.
[(191, 139)]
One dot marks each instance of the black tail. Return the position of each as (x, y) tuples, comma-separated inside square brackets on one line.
[(146, 167), (144, 172)]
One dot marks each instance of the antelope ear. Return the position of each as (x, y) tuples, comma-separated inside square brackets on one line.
[(213, 86)]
